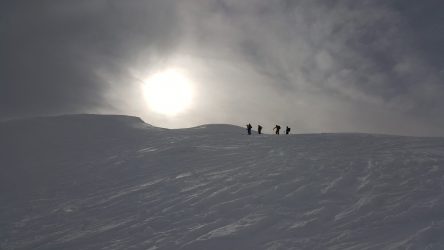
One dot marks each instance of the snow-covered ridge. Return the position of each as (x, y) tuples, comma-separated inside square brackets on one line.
[(77, 121), (115, 182)]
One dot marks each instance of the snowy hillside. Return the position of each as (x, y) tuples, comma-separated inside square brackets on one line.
[(114, 182)]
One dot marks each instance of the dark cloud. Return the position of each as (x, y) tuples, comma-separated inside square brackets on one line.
[(51, 50), (340, 65), (425, 24)]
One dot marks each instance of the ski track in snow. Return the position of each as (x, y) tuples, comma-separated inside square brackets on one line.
[(67, 183)]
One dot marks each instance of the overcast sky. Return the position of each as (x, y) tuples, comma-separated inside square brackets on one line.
[(315, 65)]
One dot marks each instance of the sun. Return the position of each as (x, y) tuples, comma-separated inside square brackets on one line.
[(168, 92)]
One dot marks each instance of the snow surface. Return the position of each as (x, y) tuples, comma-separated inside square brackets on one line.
[(114, 182)]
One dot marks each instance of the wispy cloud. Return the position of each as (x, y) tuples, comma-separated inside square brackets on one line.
[(315, 65)]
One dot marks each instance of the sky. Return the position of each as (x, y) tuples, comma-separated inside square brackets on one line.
[(316, 66)]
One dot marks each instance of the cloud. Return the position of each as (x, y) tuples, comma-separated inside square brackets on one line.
[(52, 50), (318, 66), (341, 66)]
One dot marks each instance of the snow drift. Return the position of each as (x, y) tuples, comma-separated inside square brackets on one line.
[(114, 182)]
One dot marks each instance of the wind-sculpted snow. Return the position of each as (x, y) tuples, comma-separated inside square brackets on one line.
[(112, 182)]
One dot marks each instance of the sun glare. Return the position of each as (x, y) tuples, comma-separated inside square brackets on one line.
[(168, 92)]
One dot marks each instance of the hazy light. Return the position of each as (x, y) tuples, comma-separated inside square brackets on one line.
[(168, 92)]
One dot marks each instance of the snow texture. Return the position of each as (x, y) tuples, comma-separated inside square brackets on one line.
[(114, 182)]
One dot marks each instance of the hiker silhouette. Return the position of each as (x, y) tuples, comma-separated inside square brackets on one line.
[(259, 129), (287, 130), (277, 128), (249, 128)]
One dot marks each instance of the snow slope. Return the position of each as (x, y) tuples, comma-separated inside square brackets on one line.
[(114, 182)]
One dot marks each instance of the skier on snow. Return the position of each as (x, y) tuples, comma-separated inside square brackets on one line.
[(277, 128), (259, 129), (249, 128)]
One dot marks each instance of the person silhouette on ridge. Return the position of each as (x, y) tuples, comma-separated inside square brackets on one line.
[(277, 128), (249, 128), (287, 130), (259, 129)]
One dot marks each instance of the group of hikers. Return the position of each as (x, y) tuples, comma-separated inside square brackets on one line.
[(277, 128)]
